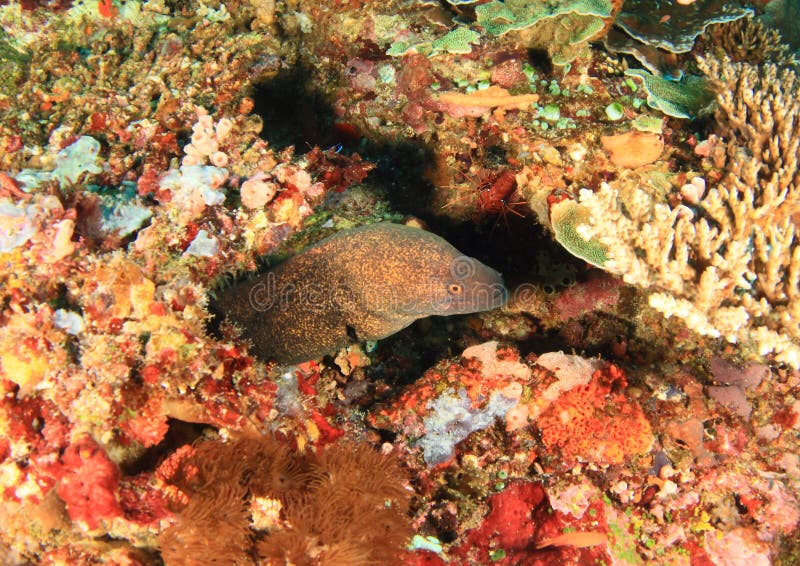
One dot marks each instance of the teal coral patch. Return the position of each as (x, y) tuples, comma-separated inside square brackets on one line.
[(123, 212), (458, 41), (499, 18), (563, 28), (400, 48), (688, 98)]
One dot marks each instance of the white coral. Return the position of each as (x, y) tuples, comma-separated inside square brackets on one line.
[(730, 268), (205, 141)]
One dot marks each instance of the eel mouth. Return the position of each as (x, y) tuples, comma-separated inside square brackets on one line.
[(498, 296), (489, 291), (482, 297)]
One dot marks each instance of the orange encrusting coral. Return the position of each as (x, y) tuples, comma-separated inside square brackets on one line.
[(633, 149), (597, 422), (476, 103)]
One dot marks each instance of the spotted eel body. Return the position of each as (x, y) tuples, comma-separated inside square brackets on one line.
[(360, 284)]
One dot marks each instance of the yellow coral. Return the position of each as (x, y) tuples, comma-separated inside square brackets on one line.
[(26, 369), (31, 348)]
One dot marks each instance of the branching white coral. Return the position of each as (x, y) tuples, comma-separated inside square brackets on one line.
[(732, 268)]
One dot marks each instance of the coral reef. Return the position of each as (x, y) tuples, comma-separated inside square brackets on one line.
[(674, 26), (781, 14), (688, 98), (658, 33), (727, 267), (748, 39), (596, 423), (637, 400), (562, 28)]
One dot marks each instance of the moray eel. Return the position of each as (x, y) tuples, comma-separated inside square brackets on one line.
[(360, 284)]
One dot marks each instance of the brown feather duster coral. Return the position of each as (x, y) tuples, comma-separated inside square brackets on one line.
[(212, 529), (749, 40), (344, 506), (354, 513), (362, 470)]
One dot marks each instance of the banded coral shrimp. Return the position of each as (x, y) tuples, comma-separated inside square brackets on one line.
[(487, 193)]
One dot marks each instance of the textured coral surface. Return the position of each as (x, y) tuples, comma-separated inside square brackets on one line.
[(637, 400)]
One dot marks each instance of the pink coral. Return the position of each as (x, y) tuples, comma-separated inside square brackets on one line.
[(257, 190), (600, 293)]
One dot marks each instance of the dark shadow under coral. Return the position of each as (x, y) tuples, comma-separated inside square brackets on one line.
[(178, 434), (296, 113)]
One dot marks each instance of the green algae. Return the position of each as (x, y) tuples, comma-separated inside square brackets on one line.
[(562, 28), (688, 98), (14, 61), (615, 111), (645, 123), (565, 225)]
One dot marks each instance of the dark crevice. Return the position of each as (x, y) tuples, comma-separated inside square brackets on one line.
[(295, 113), (178, 434)]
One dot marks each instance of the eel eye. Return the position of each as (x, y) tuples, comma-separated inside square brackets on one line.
[(455, 288)]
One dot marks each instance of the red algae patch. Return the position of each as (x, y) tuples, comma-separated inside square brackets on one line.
[(597, 422), (509, 524), (89, 483), (521, 527)]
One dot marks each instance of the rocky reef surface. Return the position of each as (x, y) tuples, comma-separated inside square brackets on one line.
[(631, 168)]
